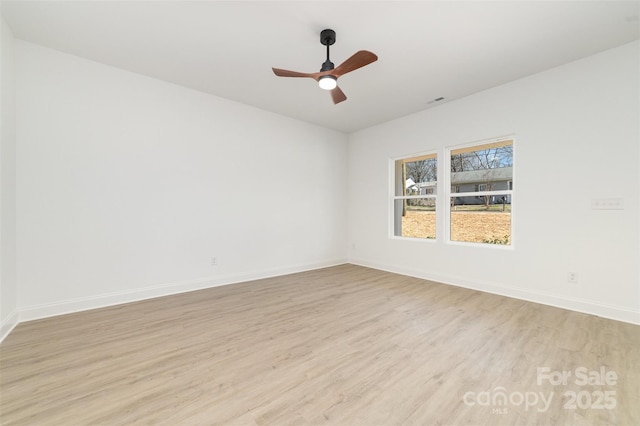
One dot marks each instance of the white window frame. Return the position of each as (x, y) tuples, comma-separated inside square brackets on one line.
[(447, 194), (394, 177)]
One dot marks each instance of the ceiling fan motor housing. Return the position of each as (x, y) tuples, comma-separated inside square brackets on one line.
[(327, 66)]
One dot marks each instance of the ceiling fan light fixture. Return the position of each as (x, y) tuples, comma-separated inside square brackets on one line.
[(328, 82)]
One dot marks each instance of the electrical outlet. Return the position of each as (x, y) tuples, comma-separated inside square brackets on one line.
[(572, 277), (214, 261)]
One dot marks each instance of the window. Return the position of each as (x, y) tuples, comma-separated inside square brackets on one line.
[(414, 200), (480, 206), (475, 205)]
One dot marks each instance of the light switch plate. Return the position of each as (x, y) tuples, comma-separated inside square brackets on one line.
[(607, 204)]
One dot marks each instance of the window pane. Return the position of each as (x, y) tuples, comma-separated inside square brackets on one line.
[(485, 219), (417, 218), (419, 175), (487, 167)]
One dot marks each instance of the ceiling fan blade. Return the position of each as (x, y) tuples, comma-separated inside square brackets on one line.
[(357, 60), (286, 73), (338, 95)]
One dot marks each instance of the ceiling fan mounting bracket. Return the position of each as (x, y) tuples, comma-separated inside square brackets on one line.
[(327, 37)]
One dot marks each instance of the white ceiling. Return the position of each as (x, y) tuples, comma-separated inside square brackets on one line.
[(426, 49)]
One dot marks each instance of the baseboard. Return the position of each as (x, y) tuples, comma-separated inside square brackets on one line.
[(8, 324), (591, 307), (100, 301), (30, 313)]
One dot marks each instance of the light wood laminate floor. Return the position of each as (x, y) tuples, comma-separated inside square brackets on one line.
[(345, 345)]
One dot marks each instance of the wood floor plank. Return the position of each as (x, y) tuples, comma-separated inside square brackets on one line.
[(345, 345)]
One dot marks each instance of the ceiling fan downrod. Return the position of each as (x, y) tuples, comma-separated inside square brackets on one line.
[(327, 38)]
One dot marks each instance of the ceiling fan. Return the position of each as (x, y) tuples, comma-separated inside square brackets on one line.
[(328, 75)]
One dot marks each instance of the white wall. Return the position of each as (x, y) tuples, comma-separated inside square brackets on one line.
[(8, 284), (577, 138), (128, 186)]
